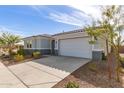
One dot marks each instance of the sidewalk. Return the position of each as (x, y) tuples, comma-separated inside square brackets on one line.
[(8, 80)]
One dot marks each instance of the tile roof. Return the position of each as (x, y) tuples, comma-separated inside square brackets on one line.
[(50, 36)]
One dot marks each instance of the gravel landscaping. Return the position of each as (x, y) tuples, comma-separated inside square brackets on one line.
[(10, 61), (93, 74)]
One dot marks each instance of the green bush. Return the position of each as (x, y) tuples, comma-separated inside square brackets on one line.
[(92, 42), (21, 52), (18, 57), (36, 54), (72, 85)]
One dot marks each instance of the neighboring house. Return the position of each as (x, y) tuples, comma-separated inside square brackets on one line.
[(74, 43), (20, 45)]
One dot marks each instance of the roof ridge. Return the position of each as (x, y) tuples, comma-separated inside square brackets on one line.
[(68, 32)]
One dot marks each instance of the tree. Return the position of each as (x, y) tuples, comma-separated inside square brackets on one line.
[(99, 33), (8, 40), (109, 28)]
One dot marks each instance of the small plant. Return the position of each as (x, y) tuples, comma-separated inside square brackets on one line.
[(21, 52), (72, 85), (92, 42), (36, 54), (18, 57), (92, 67)]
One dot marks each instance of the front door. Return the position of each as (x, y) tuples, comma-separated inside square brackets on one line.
[(53, 47)]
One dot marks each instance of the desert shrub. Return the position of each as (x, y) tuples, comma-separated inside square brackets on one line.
[(92, 67), (92, 42), (36, 54), (72, 85), (18, 57), (21, 52)]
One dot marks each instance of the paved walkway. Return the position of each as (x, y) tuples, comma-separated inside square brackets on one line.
[(8, 80), (42, 73)]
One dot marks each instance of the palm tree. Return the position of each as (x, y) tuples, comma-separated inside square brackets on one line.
[(8, 40)]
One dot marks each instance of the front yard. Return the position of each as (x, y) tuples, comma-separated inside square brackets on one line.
[(44, 72), (93, 74), (19, 57)]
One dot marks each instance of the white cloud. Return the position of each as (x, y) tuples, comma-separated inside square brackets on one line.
[(36, 8), (94, 11), (74, 18), (80, 16)]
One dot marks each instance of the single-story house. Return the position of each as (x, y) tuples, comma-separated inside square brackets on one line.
[(73, 43)]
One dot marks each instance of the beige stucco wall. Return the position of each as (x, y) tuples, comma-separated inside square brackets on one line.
[(68, 35), (100, 44)]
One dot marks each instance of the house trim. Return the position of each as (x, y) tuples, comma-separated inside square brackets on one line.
[(74, 37)]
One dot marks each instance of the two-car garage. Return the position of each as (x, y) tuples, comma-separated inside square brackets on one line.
[(75, 47), (73, 44)]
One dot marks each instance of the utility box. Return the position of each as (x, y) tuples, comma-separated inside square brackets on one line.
[(97, 55)]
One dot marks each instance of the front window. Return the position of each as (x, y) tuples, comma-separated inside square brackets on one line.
[(29, 44)]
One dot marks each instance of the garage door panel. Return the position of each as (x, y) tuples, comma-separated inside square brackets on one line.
[(77, 47)]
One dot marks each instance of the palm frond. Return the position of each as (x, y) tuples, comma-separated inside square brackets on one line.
[(7, 39)]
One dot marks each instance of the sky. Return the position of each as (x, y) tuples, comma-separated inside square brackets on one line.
[(45, 19)]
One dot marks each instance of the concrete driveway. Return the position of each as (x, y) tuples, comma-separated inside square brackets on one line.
[(47, 71)]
